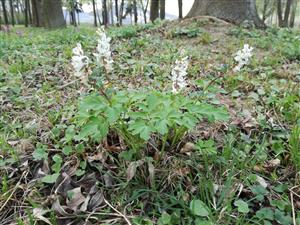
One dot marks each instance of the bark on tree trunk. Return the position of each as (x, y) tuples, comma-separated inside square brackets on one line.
[(12, 13), (180, 9), (162, 9), (234, 11), (4, 12), (154, 10), (53, 14)]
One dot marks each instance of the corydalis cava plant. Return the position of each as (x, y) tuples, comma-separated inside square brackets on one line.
[(179, 73), (80, 62), (243, 57), (103, 53)]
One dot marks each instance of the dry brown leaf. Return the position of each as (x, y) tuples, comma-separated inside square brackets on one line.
[(188, 147)]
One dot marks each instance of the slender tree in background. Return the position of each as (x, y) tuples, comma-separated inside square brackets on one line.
[(117, 10), (162, 4), (121, 13), (95, 14), (12, 14), (283, 20), (235, 11), (104, 13), (4, 12), (111, 8), (29, 13), (293, 13), (72, 13), (144, 9), (135, 12), (154, 10), (26, 9), (53, 14), (180, 9)]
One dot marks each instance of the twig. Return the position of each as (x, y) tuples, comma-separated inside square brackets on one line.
[(69, 83), (117, 211), (293, 208)]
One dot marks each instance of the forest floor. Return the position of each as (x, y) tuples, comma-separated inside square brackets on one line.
[(226, 150)]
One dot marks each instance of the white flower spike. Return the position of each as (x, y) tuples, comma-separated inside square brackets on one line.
[(103, 53), (179, 73), (80, 62), (243, 57)]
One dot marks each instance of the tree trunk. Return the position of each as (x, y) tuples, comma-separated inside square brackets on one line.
[(95, 15), (287, 12), (264, 13), (162, 9), (37, 15), (135, 11), (104, 12), (111, 12), (29, 13), (144, 9), (121, 12), (279, 13), (234, 11), (180, 9), (4, 12), (293, 14), (26, 12), (53, 14), (12, 13), (154, 10), (117, 10)]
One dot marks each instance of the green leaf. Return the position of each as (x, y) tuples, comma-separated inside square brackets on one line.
[(57, 165), (265, 213), (162, 127), (67, 150), (50, 179), (40, 153), (281, 218), (199, 221), (198, 208), (165, 219), (242, 206), (280, 204)]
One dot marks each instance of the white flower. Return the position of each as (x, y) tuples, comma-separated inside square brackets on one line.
[(103, 53), (80, 62), (243, 57), (179, 73)]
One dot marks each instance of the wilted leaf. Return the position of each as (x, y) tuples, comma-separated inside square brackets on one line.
[(39, 213), (75, 199), (131, 170)]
